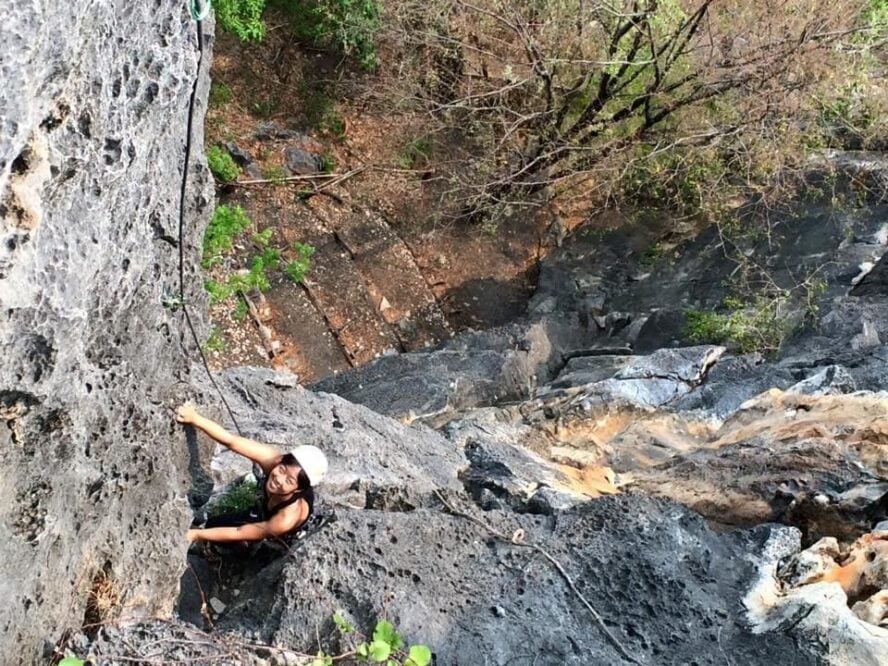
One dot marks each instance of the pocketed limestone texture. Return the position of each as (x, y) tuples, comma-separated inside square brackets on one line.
[(93, 117)]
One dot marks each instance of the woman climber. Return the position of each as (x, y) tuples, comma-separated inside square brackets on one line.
[(287, 487)]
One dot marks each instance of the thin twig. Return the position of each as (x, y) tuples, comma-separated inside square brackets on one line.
[(204, 609), (288, 179), (595, 614)]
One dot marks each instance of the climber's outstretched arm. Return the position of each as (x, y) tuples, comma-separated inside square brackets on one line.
[(278, 525), (263, 455)]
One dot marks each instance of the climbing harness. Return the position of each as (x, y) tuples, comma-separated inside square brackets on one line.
[(198, 16)]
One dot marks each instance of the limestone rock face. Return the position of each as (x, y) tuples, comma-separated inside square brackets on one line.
[(93, 112)]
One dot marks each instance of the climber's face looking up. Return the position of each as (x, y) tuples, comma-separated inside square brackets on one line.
[(284, 479)]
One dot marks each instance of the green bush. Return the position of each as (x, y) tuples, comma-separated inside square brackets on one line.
[(297, 269), (415, 153), (223, 166), (263, 238), (215, 342), (275, 174), (757, 326), (242, 18), (227, 223), (328, 164), (241, 497), (689, 182), (351, 26), (386, 646), (220, 94)]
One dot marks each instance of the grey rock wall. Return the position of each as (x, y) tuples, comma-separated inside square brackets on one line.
[(92, 475)]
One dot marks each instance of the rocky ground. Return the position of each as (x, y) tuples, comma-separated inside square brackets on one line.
[(391, 272)]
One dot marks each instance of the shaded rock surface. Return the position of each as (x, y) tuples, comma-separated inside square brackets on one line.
[(478, 600), (93, 108), (474, 369), (375, 462)]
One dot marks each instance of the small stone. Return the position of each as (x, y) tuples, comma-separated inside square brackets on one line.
[(241, 156), (301, 162), (868, 337), (384, 304), (499, 611), (217, 605)]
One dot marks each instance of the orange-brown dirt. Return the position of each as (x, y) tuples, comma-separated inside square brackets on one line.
[(387, 274)]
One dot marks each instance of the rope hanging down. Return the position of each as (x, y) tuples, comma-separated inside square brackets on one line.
[(198, 16)]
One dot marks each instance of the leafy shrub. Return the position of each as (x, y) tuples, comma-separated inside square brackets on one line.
[(351, 26), (275, 174), (263, 238), (242, 18), (241, 497), (415, 153), (223, 166), (215, 342), (227, 223), (319, 111), (760, 325), (688, 182), (328, 164), (385, 646), (220, 93), (298, 268)]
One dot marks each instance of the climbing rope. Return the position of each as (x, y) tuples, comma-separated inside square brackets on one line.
[(198, 16)]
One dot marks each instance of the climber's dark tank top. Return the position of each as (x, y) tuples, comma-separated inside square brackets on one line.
[(261, 511)]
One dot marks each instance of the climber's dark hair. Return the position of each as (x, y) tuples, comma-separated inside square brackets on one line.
[(302, 478)]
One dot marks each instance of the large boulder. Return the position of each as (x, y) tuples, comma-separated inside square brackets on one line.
[(94, 118), (667, 588), (375, 461)]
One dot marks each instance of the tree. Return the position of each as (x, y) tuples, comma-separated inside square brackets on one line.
[(556, 93)]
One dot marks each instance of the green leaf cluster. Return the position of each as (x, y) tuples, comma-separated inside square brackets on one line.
[(758, 325), (220, 94), (678, 180), (415, 153), (350, 26), (241, 497), (384, 647), (223, 166), (226, 224), (297, 269), (255, 278), (242, 18), (215, 341), (275, 174)]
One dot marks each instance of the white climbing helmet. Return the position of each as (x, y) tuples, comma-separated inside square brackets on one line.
[(313, 462)]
